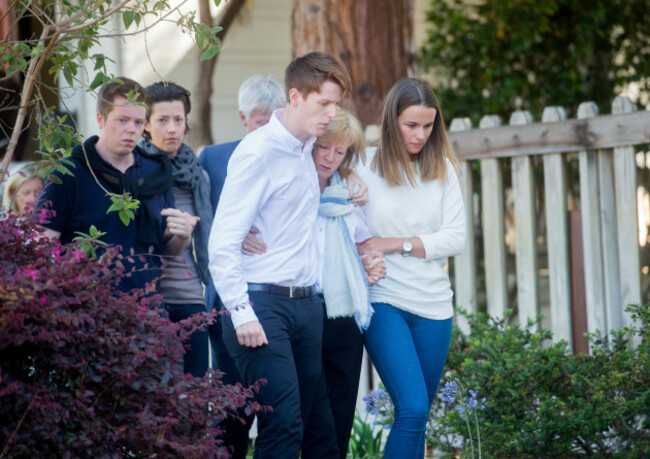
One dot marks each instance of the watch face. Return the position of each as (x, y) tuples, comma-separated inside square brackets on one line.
[(407, 246)]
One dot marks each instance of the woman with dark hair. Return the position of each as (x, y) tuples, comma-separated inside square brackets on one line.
[(165, 129), (415, 212)]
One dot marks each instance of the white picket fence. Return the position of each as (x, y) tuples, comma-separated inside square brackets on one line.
[(606, 149)]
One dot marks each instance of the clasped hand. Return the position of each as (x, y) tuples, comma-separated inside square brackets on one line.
[(373, 264), (179, 224)]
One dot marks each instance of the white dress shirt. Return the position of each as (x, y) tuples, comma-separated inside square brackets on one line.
[(432, 211), (271, 184)]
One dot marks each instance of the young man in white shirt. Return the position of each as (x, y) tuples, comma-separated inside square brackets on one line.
[(258, 97), (275, 326)]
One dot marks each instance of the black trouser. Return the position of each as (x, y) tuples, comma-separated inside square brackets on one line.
[(290, 364), (342, 357), (235, 432), (196, 346)]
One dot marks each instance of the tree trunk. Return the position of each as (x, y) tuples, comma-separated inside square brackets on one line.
[(373, 39), (201, 134)]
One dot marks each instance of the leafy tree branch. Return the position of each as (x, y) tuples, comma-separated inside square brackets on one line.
[(69, 34)]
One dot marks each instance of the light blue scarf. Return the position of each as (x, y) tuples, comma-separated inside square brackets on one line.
[(345, 286)]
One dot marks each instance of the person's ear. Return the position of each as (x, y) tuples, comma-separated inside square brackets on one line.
[(294, 97), (100, 121), (242, 118)]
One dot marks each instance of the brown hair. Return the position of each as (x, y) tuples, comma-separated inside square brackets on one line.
[(346, 126), (392, 160), (308, 73), (120, 87)]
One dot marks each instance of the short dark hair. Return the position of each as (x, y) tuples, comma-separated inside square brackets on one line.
[(166, 91), (120, 87), (307, 73)]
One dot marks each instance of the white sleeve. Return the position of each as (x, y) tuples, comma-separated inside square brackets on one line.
[(449, 240), (358, 223), (245, 191)]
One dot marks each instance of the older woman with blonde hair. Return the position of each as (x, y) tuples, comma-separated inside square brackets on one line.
[(343, 285), (22, 189)]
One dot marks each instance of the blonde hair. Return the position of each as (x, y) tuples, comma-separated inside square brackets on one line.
[(17, 179), (346, 126), (392, 161)]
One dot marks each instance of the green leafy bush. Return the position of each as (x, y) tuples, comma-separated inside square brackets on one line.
[(366, 439), (493, 57), (542, 401)]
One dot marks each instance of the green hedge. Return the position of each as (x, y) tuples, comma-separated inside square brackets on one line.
[(542, 401)]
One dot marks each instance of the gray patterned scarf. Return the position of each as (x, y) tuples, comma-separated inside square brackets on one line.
[(188, 174)]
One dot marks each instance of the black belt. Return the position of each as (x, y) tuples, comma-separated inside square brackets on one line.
[(291, 292)]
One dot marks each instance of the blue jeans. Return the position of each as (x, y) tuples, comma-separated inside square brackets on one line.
[(409, 353)]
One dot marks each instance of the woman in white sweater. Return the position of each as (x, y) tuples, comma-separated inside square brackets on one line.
[(416, 214)]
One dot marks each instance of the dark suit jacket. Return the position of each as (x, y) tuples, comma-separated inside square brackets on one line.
[(214, 159)]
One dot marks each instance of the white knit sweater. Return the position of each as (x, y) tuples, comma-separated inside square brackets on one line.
[(433, 212)]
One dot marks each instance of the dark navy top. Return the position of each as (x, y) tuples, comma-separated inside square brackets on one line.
[(78, 203), (214, 159)]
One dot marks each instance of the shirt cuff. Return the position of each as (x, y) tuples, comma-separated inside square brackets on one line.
[(242, 314)]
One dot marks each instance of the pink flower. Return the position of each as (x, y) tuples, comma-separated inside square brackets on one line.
[(43, 215), (31, 273), (78, 254), (43, 300), (57, 253)]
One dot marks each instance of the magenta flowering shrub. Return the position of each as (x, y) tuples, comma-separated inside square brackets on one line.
[(88, 371)]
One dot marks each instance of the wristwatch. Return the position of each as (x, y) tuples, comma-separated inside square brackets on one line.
[(407, 247)]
